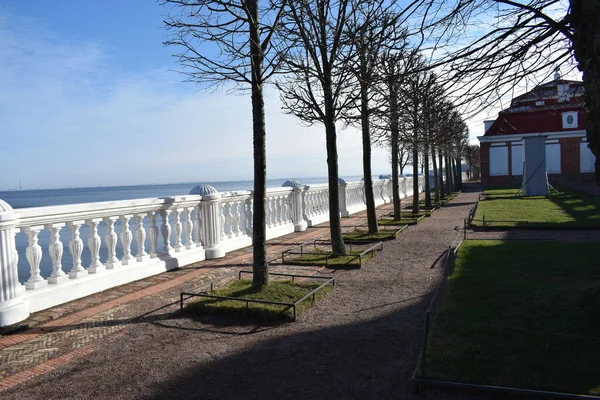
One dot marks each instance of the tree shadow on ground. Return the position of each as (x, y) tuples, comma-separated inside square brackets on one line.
[(371, 359)]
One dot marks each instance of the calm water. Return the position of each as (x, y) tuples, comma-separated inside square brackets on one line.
[(51, 197)]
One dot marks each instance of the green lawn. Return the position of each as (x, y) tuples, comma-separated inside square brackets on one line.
[(538, 287), (516, 192), (281, 291), (361, 234), (402, 221), (320, 257), (539, 212)]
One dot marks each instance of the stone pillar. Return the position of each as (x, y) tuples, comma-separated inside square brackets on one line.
[(210, 209), (343, 198), (300, 224), (13, 307), (210, 215)]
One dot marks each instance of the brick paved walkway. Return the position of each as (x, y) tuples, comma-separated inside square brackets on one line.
[(57, 336)]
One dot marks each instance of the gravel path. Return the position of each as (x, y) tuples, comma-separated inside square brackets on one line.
[(360, 341)]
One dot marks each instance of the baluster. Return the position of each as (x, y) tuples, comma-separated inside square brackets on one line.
[(304, 205), (165, 229), (250, 216), (272, 221), (319, 203), (268, 212), (276, 210), (235, 222), (321, 200), (126, 239), (284, 210), (55, 249), (34, 256), (189, 228), (229, 220), (153, 231), (76, 247), (94, 243), (178, 230), (197, 233), (279, 215), (222, 218), (243, 216), (111, 243), (308, 205), (140, 237)]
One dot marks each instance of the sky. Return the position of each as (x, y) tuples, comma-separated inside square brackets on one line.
[(90, 96)]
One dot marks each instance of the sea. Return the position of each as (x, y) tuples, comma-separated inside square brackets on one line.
[(52, 197)]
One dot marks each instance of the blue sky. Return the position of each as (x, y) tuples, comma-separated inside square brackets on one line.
[(91, 97)]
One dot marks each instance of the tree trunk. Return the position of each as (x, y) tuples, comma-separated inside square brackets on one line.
[(366, 144), (395, 133), (426, 175), (441, 172), (585, 21), (335, 223), (395, 184), (435, 176), (454, 174), (459, 181), (260, 271), (415, 203), (449, 180)]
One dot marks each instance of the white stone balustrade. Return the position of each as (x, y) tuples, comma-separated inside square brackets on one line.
[(315, 203), (133, 239)]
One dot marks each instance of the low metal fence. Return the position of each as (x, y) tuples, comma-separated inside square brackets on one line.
[(371, 249), (328, 281)]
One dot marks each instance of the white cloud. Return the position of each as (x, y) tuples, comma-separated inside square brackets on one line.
[(68, 117)]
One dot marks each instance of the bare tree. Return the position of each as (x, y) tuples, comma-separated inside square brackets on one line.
[(471, 153), (505, 43), (413, 93), (394, 69), (317, 88), (372, 28), (231, 42)]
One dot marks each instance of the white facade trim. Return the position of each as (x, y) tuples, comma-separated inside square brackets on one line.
[(517, 137)]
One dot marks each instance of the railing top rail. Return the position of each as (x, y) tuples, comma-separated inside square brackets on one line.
[(72, 212), (236, 195), (279, 190), (320, 186)]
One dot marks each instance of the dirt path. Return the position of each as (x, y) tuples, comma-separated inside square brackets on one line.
[(360, 341)]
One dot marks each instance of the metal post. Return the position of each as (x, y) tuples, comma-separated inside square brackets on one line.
[(425, 334), (484, 221), (465, 230)]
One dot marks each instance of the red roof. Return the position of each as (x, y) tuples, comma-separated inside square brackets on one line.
[(540, 110)]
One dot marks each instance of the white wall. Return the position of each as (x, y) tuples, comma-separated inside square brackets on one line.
[(586, 158), (517, 159), (553, 158), (498, 160)]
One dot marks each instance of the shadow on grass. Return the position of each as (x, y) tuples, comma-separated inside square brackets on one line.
[(521, 315), (584, 210)]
